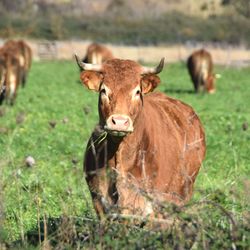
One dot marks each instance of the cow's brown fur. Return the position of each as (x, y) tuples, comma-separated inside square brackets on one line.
[(13, 72), (24, 53), (97, 54), (27, 54), (200, 67), (12, 48), (160, 158)]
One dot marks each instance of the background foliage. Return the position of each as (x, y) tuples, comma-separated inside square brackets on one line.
[(128, 22)]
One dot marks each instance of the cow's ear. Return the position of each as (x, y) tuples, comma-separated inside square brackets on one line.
[(149, 83), (91, 79)]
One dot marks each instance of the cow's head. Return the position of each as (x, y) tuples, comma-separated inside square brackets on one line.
[(210, 84), (121, 85)]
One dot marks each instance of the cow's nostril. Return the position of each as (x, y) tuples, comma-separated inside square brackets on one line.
[(126, 123), (113, 121), (119, 123)]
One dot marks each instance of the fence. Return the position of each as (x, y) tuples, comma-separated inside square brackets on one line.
[(64, 50)]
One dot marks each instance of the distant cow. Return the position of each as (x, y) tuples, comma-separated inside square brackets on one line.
[(146, 147), (24, 55), (10, 74), (200, 67), (13, 79), (97, 54)]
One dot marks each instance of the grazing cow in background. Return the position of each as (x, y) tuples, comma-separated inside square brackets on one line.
[(24, 54), (200, 67), (12, 48), (97, 54), (147, 147), (11, 74)]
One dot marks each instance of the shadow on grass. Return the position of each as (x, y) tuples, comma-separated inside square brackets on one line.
[(56, 232), (81, 233), (179, 91)]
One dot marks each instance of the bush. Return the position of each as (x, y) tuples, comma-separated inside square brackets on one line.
[(205, 225), (169, 28)]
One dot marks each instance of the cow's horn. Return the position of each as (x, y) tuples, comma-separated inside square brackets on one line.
[(153, 70), (88, 66)]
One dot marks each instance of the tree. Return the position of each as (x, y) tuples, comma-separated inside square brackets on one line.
[(242, 7)]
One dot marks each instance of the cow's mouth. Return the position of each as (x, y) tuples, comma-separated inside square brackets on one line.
[(118, 125), (117, 133)]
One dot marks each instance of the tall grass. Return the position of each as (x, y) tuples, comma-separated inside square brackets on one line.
[(50, 202)]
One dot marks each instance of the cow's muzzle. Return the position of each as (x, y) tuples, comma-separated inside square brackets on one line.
[(119, 125)]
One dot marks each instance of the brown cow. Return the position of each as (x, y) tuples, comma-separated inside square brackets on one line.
[(11, 74), (97, 54), (146, 148), (12, 47), (24, 54), (200, 67)]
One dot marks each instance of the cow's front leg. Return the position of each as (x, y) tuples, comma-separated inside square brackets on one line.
[(101, 183)]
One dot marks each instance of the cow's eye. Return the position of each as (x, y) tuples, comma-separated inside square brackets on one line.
[(103, 92), (138, 92)]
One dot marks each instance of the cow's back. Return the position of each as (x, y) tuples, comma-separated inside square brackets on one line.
[(97, 54)]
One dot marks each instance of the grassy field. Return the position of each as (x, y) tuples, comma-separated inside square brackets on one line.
[(52, 120)]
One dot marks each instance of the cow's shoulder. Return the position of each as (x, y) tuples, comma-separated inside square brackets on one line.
[(162, 100), (173, 111)]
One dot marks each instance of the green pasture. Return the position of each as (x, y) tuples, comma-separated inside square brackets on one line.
[(53, 117)]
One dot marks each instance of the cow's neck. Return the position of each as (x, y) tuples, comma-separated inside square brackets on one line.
[(125, 149)]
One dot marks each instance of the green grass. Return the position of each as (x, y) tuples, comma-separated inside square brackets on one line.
[(52, 94), (227, 164), (55, 185)]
